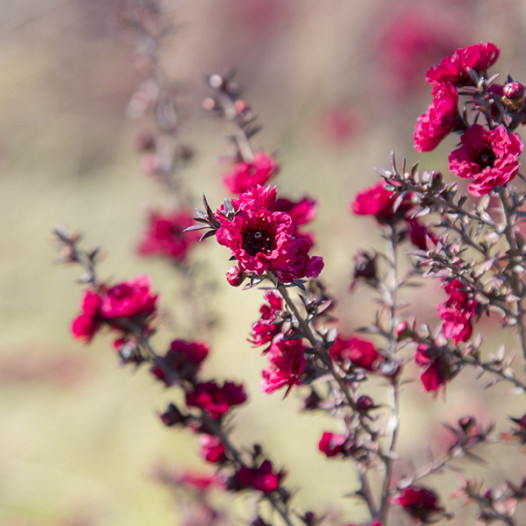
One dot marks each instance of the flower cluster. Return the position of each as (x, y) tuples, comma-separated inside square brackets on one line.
[(489, 157)]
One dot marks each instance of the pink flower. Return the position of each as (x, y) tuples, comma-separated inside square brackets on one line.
[(421, 503), (182, 360), (332, 444), (440, 119), (454, 68), (419, 235), (165, 235), (489, 157), (287, 363), (378, 202), (212, 449), (129, 299), (265, 240), (301, 212), (361, 353), (269, 324), (215, 400), (88, 322), (457, 312), (249, 174), (260, 478), (436, 368)]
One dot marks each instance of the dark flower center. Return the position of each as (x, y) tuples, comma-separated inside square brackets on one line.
[(486, 158), (255, 241)]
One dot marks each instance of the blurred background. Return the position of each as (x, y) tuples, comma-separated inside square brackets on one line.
[(336, 84)]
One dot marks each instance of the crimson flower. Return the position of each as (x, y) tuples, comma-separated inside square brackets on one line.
[(332, 444), (440, 119), (378, 202), (454, 68), (88, 322), (182, 360), (215, 400), (301, 212), (287, 363), (165, 235), (421, 503), (260, 478), (457, 312), (130, 301), (262, 239), (361, 353), (436, 368), (269, 324), (212, 449), (489, 157), (248, 174), (127, 300), (419, 235)]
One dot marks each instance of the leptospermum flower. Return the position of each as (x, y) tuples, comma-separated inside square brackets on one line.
[(379, 202), (421, 503), (440, 119), (165, 235), (356, 351), (261, 478), (249, 174), (130, 302), (182, 360), (489, 157), (436, 369), (455, 68), (287, 363), (216, 400), (457, 312), (262, 239)]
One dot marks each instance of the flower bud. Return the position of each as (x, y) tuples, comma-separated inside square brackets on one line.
[(235, 276), (514, 94)]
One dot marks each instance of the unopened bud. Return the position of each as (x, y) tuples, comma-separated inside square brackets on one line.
[(235, 276)]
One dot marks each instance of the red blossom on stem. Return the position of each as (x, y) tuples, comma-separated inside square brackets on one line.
[(182, 360), (489, 157), (436, 368), (455, 68), (457, 312), (265, 240), (332, 444), (127, 302), (166, 236), (440, 119), (248, 174), (379, 202), (421, 503), (359, 352), (287, 363), (261, 478), (212, 449), (216, 400)]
